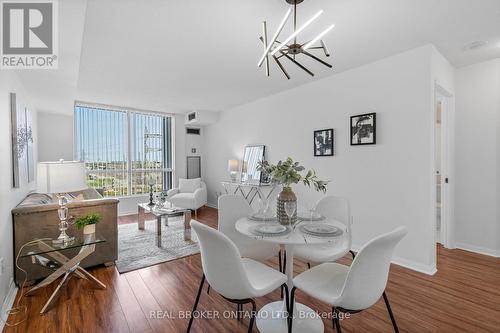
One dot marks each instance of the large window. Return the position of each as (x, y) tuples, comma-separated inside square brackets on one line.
[(124, 150)]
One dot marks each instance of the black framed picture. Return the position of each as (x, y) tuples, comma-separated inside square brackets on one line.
[(323, 142), (364, 129)]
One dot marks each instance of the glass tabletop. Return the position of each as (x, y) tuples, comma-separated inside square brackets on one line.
[(166, 210), (46, 246)]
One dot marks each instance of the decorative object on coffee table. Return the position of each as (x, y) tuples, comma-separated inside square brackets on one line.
[(364, 129), (287, 173), (62, 177), (151, 183), (324, 142), (161, 199)]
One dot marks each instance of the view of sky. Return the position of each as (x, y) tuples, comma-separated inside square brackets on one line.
[(101, 135)]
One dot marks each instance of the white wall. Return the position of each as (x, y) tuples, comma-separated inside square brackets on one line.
[(477, 162), (10, 197), (55, 136), (389, 183)]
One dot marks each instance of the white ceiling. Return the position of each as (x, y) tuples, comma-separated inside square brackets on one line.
[(55, 90), (190, 54)]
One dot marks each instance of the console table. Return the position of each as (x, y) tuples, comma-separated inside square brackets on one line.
[(249, 190)]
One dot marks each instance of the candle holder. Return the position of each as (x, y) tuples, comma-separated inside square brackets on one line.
[(151, 203)]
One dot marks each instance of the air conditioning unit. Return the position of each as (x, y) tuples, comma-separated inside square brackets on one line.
[(195, 131), (201, 118)]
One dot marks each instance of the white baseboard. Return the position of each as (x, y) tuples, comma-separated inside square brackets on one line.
[(478, 249), (426, 269), (8, 302), (211, 205), (410, 264)]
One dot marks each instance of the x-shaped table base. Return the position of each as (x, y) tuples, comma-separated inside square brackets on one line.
[(68, 268)]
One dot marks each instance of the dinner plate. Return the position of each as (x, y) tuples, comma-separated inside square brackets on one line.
[(321, 229), (270, 229), (261, 217), (306, 216)]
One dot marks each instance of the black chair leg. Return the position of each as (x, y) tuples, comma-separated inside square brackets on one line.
[(336, 320), (284, 262), (208, 290), (308, 266), (352, 254), (279, 261), (196, 303), (290, 316), (287, 301), (252, 316), (281, 270), (238, 311), (386, 300)]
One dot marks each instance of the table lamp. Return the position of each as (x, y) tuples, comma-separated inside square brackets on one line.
[(59, 178), (233, 167)]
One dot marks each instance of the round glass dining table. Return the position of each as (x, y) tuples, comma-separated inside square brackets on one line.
[(271, 318)]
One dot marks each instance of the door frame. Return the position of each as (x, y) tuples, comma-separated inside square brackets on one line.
[(447, 166)]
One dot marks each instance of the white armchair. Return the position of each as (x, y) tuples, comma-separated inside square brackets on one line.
[(190, 194)]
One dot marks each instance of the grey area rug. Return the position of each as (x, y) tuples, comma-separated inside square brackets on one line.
[(137, 248)]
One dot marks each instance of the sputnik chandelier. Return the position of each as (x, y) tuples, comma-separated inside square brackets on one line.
[(290, 48)]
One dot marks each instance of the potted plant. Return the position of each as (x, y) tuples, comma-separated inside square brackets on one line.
[(88, 223), (287, 173)]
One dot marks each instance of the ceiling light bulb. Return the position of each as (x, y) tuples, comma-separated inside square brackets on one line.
[(276, 34), (296, 32), (318, 37)]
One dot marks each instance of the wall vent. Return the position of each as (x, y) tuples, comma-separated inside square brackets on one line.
[(195, 131)]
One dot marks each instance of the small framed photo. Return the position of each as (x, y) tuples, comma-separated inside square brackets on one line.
[(364, 129), (323, 142)]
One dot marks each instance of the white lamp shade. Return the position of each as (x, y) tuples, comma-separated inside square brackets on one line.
[(232, 165), (61, 177)]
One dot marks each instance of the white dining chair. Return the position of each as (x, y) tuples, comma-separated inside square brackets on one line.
[(351, 289), (239, 280), (336, 208), (231, 209)]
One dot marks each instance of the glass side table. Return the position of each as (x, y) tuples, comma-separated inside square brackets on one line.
[(50, 255)]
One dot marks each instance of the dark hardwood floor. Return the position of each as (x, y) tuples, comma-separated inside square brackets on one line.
[(463, 296)]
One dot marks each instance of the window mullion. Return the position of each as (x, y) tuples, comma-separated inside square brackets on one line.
[(130, 149)]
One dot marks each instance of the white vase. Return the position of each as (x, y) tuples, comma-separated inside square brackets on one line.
[(89, 229)]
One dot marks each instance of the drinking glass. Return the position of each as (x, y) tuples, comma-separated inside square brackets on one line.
[(311, 208), (264, 207), (290, 208)]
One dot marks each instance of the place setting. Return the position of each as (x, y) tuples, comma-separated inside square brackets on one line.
[(307, 223)]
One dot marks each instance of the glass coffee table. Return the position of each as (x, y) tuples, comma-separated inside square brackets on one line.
[(164, 213), (50, 255)]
